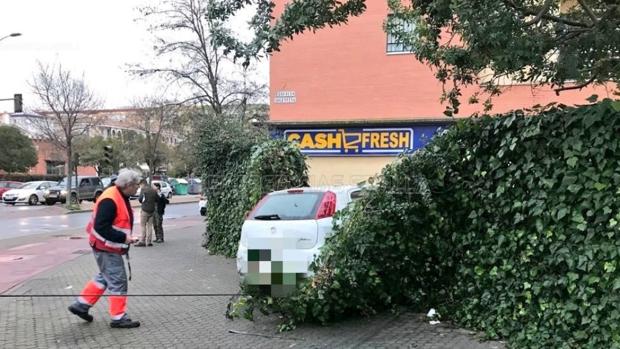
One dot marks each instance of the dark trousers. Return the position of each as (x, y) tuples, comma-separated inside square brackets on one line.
[(158, 226)]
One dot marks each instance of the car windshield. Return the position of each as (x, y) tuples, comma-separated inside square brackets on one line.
[(63, 182), (288, 206), (30, 185)]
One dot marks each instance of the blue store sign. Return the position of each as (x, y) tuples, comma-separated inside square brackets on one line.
[(360, 141)]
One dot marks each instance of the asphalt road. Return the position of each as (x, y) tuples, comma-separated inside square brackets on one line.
[(21, 226)]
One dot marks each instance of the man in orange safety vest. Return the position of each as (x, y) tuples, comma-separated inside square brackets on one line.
[(110, 234)]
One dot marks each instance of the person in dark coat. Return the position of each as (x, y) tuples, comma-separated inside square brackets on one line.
[(158, 216), (148, 199)]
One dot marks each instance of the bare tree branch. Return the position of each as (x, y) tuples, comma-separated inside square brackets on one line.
[(67, 102), (154, 118), (199, 61), (575, 87), (543, 11), (529, 12), (588, 10)]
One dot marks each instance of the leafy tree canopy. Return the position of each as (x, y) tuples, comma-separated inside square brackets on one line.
[(17, 152), (568, 44)]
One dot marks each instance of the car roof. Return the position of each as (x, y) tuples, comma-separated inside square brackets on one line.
[(335, 189)]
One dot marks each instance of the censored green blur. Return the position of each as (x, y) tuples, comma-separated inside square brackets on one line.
[(268, 273)]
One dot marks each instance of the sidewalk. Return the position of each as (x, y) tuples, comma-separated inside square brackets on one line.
[(181, 265)]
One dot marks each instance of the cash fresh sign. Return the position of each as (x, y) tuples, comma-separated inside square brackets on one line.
[(352, 141)]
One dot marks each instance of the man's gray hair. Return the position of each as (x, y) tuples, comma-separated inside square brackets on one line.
[(127, 176)]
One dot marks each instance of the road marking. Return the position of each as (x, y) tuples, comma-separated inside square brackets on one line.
[(25, 246), (14, 258)]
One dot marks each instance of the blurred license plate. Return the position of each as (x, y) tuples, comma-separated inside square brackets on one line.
[(52, 195)]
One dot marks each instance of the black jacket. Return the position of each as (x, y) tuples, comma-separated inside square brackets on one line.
[(104, 218), (162, 201)]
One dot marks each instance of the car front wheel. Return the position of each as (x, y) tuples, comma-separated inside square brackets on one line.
[(33, 200), (170, 195)]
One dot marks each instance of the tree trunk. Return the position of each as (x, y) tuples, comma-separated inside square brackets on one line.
[(68, 175)]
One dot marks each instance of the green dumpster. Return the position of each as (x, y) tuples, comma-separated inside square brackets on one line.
[(180, 186)]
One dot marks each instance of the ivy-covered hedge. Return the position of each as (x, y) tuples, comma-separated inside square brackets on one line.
[(224, 147), (507, 225), (241, 168)]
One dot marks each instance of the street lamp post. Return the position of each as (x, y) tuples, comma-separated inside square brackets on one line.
[(12, 35)]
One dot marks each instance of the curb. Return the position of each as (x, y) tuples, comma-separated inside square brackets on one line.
[(172, 203)]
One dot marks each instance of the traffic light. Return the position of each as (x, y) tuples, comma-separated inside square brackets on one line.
[(107, 154), (17, 103)]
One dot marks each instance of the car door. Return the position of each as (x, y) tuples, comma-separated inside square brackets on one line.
[(165, 189), (41, 190), (83, 189)]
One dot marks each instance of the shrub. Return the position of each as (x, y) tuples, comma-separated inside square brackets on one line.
[(20, 177), (507, 225), (241, 166)]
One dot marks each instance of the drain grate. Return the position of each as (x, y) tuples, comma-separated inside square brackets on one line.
[(76, 237), (81, 252)]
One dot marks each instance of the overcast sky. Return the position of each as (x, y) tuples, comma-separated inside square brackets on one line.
[(95, 37)]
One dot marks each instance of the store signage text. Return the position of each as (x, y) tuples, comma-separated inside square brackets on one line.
[(285, 97), (354, 141)]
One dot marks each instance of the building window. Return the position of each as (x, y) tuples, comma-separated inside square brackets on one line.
[(54, 167), (393, 44)]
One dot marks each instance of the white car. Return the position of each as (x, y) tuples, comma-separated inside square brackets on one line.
[(30, 193), (166, 189), (285, 231)]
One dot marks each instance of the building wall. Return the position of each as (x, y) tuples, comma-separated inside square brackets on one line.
[(48, 152), (325, 171)]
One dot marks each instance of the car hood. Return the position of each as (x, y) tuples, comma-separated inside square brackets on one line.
[(58, 187)]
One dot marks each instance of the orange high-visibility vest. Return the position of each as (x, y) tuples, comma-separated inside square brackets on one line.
[(122, 222)]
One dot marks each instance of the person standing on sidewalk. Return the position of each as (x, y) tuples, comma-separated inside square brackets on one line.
[(148, 198), (109, 235), (158, 217)]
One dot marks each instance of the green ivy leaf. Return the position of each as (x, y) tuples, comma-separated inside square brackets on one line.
[(572, 161)]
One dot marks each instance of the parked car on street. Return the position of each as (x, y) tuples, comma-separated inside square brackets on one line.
[(30, 193), (108, 181), (166, 188), (8, 185), (289, 227), (85, 188)]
